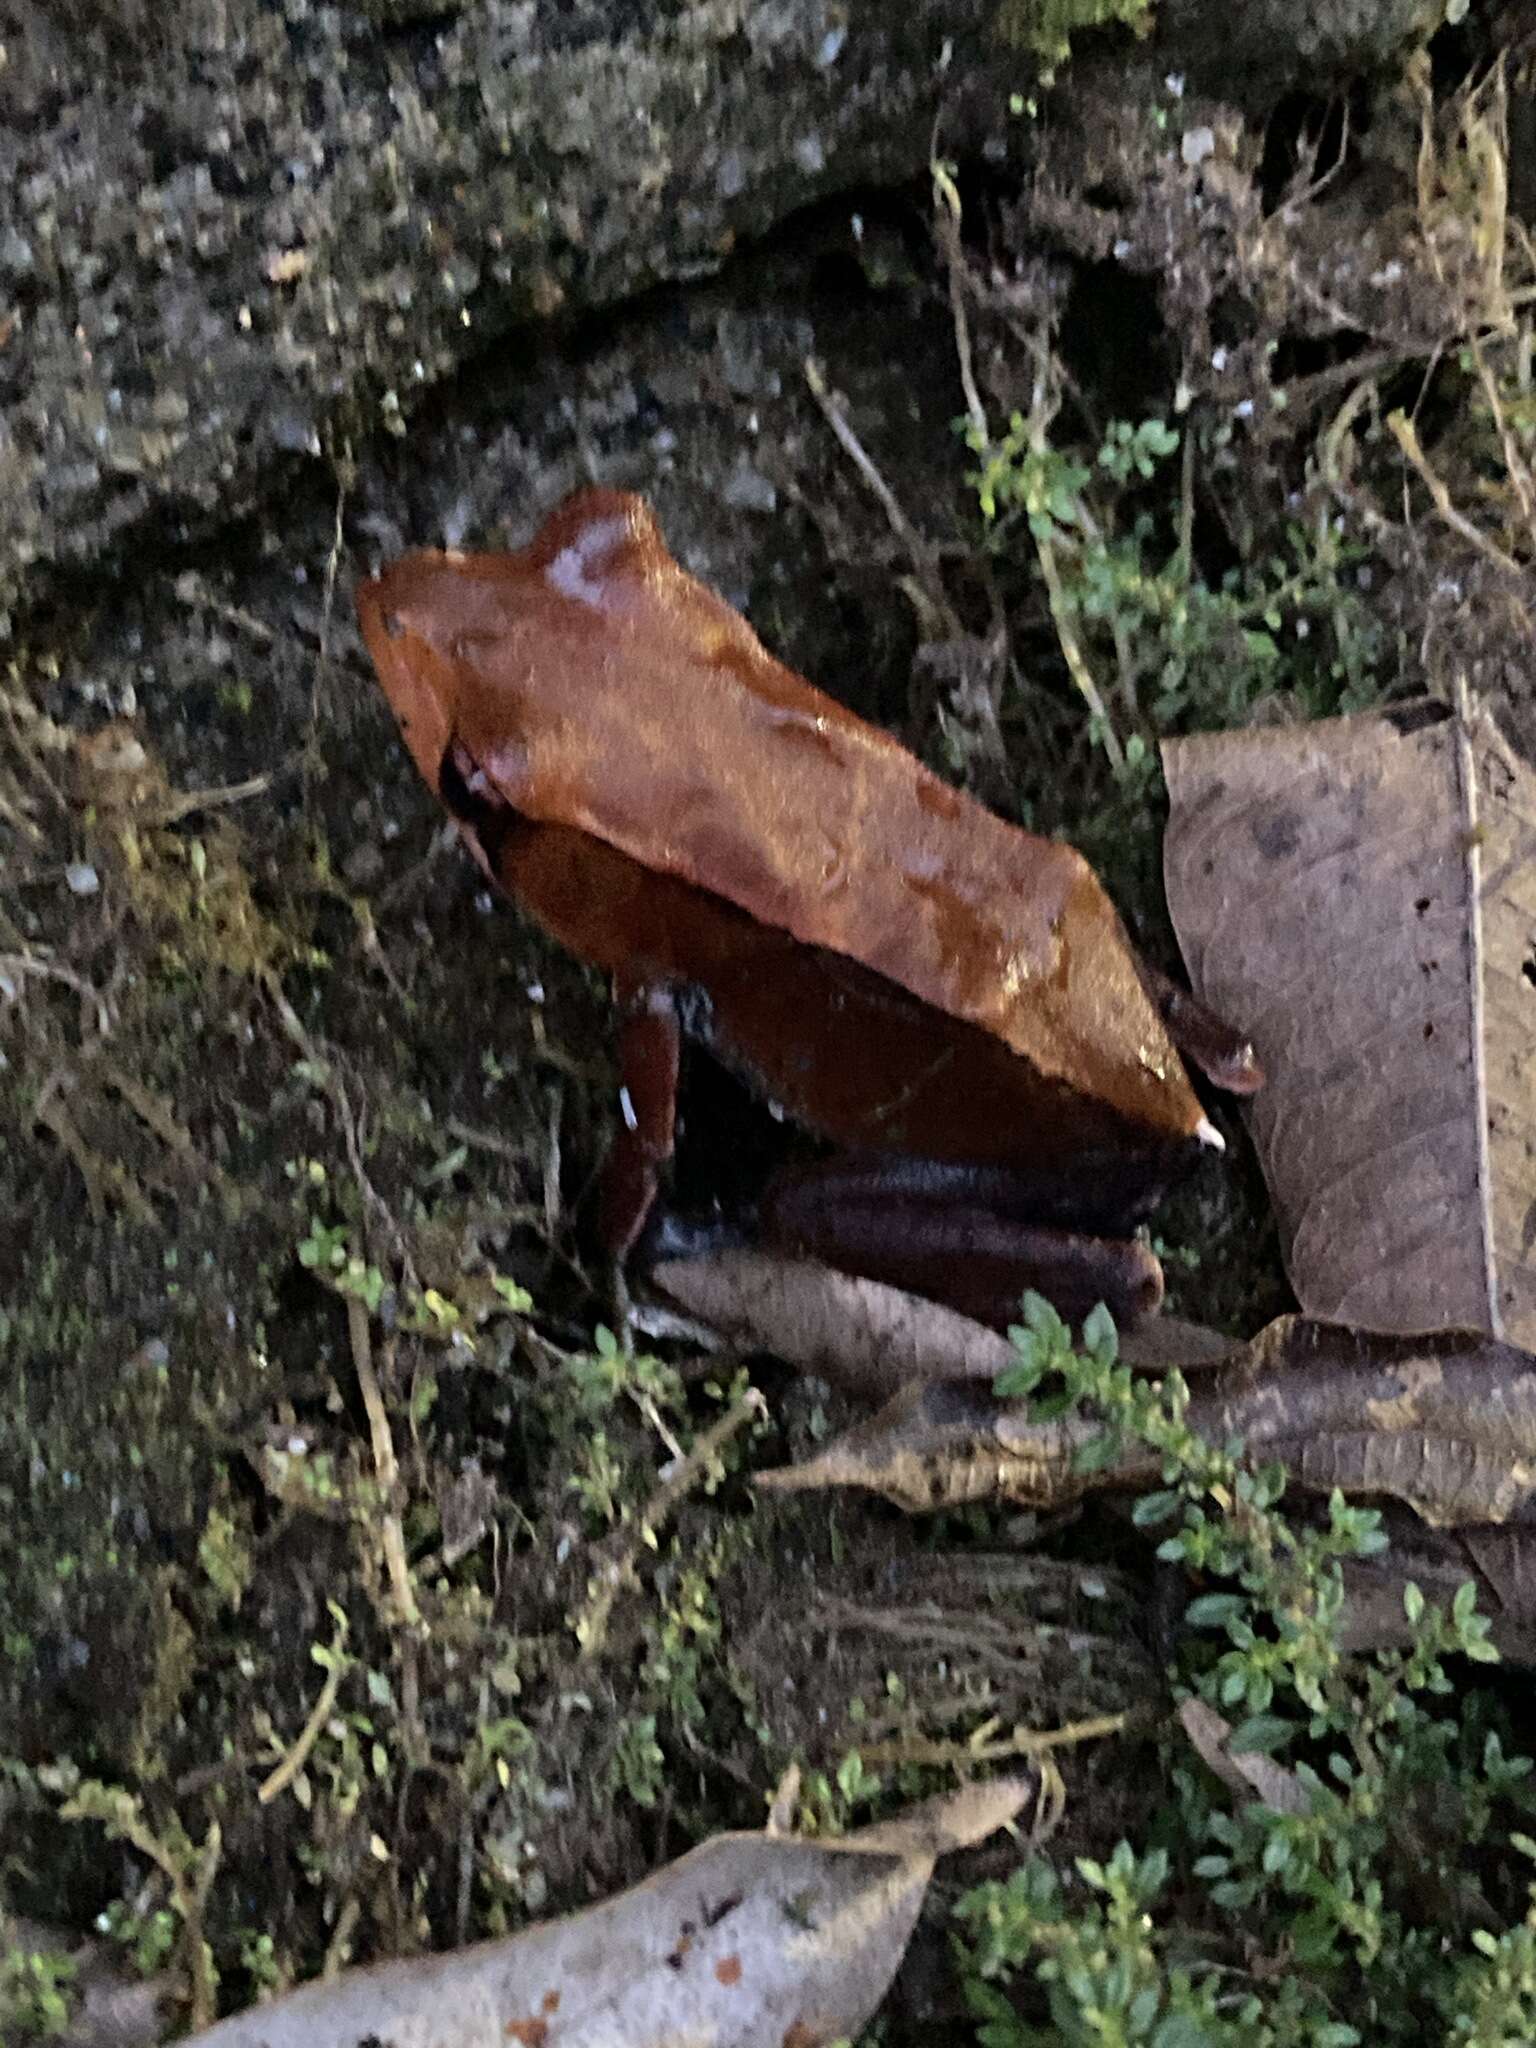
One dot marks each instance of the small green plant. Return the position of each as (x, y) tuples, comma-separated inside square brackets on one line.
[(607, 1373), (1045, 28), (1129, 597), (327, 1252), (1354, 1905), (600, 1484), (34, 1991), (639, 1761), (828, 1802), (259, 1957), (188, 1868)]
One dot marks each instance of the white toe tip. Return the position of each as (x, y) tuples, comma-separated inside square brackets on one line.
[(1208, 1134)]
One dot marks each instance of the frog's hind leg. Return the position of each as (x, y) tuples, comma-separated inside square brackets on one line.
[(964, 1252)]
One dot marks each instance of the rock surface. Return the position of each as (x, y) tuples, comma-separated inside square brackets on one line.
[(249, 231), (242, 233)]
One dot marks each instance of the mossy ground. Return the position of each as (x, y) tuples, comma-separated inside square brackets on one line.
[(322, 1554)]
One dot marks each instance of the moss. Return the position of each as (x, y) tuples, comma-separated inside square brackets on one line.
[(1045, 28)]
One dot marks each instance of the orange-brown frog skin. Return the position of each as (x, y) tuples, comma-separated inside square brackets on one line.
[(950, 1000)]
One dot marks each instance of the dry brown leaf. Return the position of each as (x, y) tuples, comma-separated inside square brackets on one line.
[(944, 1445), (753, 1939), (871, 1339), (285, 266), (859, 1334), (1445, 1423), (1359, 895), (1163, 1342)]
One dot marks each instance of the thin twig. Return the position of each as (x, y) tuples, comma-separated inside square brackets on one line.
[(1072, 650), (338, 1949), (919, 551), (16, 711), (1332, 440), (17, 966), (278, 1781), (947, 194), (325, 1065), (104, 1178), (192, 590), (1125, 659), (1472, 858), (392, 1531), (485, 1141), (186, 801), (323, 656), (156, 1113), (1041, 412), (1514, 461), (1406, 437), (592, 1624), (980, 1748), (1186, 544)]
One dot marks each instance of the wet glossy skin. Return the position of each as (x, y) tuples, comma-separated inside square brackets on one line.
[(951, 1000)]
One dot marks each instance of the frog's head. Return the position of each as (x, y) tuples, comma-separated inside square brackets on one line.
[(412, 615), (472, 648)]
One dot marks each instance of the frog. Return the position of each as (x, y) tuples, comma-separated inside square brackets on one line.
[(949, 1004)]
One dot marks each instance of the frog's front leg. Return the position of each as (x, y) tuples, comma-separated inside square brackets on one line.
[(947, 1233), (649, 1050), (1221, 1053)]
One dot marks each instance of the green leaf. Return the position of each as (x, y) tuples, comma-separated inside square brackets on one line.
[(1182, 2030), (1143, 2010), (1100, 1338), (1017, 1381), (1260, 1735), (517, 1298), (1154, 1507), (1042, 1321), (1097, 1454), (1215, 1610)]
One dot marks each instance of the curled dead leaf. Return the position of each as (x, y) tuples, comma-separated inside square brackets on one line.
[(755, 1939), (1359, 894), (859, 1334), (869, 1338), (1444, 1422)]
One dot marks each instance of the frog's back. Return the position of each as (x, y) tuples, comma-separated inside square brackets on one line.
[(597, 686)]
